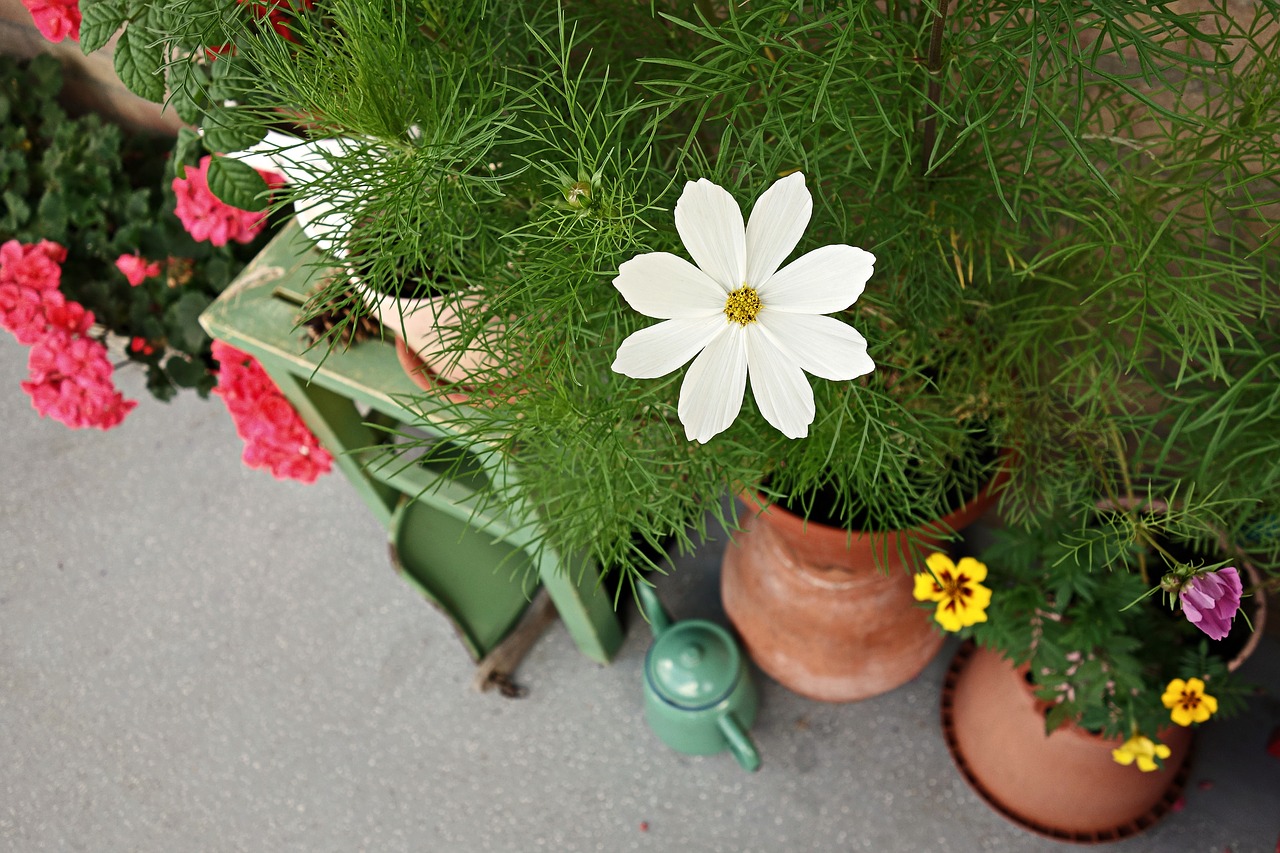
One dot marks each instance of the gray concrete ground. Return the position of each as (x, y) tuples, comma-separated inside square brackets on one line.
[(196, 657)]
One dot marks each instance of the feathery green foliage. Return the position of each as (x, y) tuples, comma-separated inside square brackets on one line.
[(1073, 205)]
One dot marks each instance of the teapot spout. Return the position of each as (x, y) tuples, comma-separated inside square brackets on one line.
[(740, 743), (652, 609)]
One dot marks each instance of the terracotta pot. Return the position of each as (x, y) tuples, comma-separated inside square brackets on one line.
[(429, 329), (819, 614), (1064, 784), (426, 379)]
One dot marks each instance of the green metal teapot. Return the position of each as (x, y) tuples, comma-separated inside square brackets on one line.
[(698, 695)]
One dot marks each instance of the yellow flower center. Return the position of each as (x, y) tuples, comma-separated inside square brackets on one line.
[(742, 305), (1190, 700), (954, 589)]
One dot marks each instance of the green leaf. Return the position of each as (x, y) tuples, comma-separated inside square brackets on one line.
[(17, 211), (226, 131), (219, 270), (227, 78), (44, 75), (237, 184), (187, 85), (186, 151), (159, 383), (99, 20), (52, 214), (183, 317), (138, 60), (186, 372)]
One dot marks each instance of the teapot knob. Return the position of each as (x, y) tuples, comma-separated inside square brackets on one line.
[(691, 655)]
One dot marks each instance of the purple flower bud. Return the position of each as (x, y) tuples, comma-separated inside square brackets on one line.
[(1210, 601)]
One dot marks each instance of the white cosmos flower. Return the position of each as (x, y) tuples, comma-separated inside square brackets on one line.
[(740, 314)]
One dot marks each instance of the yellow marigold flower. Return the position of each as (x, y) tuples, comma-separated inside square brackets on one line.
[(962, 599), (1143, 750), (1188, 702)]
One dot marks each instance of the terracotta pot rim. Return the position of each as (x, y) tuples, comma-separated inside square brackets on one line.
[(957, 519), (1259, 610), (1121, 831)]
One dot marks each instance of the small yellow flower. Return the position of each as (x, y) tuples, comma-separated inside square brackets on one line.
[(1143, 750), (962, 599), (1188, 701)]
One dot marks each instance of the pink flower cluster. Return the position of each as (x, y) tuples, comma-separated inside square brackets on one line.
[(70, 374), (207, 217), (30, 275), (275, 436), (137, 269), (56, 19)]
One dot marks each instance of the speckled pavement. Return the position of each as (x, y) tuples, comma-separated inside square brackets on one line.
[(196, 657)]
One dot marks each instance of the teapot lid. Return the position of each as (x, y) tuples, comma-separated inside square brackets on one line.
[(694, 664)]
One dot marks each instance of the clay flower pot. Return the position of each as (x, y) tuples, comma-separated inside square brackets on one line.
[(817, 612), (426, 378), (1064, 784), (429, 329)]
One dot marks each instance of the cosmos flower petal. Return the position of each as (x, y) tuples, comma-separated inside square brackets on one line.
[(657, 350), (660, 284), (777, 223), (823, 346), (823, 281), (1210, 601), (735, 329), (1197, 597), (779, 386), (711, 395), (709, 222)]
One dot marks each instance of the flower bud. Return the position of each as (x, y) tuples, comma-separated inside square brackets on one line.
[(578, 195)]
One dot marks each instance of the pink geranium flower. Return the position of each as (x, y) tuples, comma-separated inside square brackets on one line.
[(71, 375), (206, 217), (69, 317), (56, 19), (1210, 601), (136, 268), (30, 274), (25, 312), (37, 266), (275, 436)]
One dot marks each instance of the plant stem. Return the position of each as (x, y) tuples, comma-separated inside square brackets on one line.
[(934, 67), (1118, 447), (1130, 504)]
